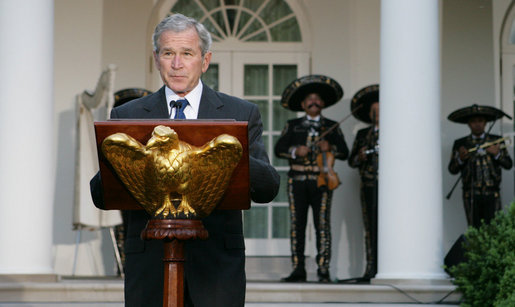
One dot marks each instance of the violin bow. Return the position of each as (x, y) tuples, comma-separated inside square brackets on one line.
[(321, 136)]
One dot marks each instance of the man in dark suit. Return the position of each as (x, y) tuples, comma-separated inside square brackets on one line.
[(301, 142), (365, 156), (479, 158), (215, 268)]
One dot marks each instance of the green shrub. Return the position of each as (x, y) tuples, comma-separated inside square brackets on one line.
[(487, 276)]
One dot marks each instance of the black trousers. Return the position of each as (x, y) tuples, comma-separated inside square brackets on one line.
[(369, 210), (480, 206), (303, 194)]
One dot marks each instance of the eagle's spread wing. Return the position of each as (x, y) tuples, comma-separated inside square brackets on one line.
[(130, 160), (210, 169)]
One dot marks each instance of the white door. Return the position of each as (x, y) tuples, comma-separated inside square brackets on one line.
[(261, 79)]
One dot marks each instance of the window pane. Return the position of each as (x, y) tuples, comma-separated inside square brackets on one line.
[(283, 76), (261, 37), (274, 10), (253, 5), (255, 222), (209, 26), (254, 27), (210, 77), (218, 16), (282, 196), (280, 222), (263, 109), (281, 116), (512, 33), (286, 31), (265, 141), (188, 8), (256, 80), (231, 16), (209, 4), (244, 18)]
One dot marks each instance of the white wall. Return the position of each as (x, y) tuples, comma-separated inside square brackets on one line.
[(78, 64), (124, 40), (345, 46)]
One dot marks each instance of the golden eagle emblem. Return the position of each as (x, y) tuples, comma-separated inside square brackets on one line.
[(171, 177)]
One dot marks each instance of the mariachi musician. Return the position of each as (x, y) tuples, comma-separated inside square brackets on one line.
[(479, 158), (365, 156), (311, 143)]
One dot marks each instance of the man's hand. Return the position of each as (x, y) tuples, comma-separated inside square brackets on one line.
[(302, 151), (494, 149), (362, 156), (463, 153), (324, 145)]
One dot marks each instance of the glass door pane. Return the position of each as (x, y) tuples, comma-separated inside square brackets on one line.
[(210, 77), (261, 79)]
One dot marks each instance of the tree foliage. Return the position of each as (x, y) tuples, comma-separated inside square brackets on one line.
[(487, 275)]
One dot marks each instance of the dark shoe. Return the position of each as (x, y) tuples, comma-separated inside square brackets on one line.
[(324, 278), (298, 275), (323, 275), (357, 280), (368, 276)]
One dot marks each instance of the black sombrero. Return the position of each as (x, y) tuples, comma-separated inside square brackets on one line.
[(362, 100), (128, 94), (329, 90), (463, 115)]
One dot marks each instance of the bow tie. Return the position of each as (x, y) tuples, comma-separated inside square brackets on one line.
[(312, 123)]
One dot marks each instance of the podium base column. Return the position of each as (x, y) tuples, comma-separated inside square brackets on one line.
[(174, 233)]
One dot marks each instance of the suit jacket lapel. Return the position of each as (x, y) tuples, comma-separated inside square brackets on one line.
[(210, 104), (156, 105)]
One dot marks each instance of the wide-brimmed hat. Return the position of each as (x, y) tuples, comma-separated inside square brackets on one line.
[(463, 115), (128, 94), (329, 90), (362, 100)]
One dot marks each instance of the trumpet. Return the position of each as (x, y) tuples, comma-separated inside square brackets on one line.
[(506, 140)]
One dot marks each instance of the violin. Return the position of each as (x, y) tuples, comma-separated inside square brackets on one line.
[(327, 176), (325, 160)]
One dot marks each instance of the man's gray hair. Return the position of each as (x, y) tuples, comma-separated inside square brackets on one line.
[(179, 23)]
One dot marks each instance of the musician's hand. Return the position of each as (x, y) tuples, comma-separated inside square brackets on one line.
[(324, 145), (494, 149), (362, 156), (302, 151), (463, 153)]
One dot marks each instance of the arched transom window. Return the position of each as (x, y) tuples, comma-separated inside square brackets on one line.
[(243, 20)]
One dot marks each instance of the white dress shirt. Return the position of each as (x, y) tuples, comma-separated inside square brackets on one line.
[(193, 97)]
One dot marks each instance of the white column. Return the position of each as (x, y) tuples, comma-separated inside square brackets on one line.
[(27, 172), (410, 184)]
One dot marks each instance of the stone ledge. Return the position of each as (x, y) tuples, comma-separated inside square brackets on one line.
[(111, 290), (63, 291), (338, 293), (6, 278)]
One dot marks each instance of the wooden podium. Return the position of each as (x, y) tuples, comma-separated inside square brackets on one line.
[(172, 231)]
